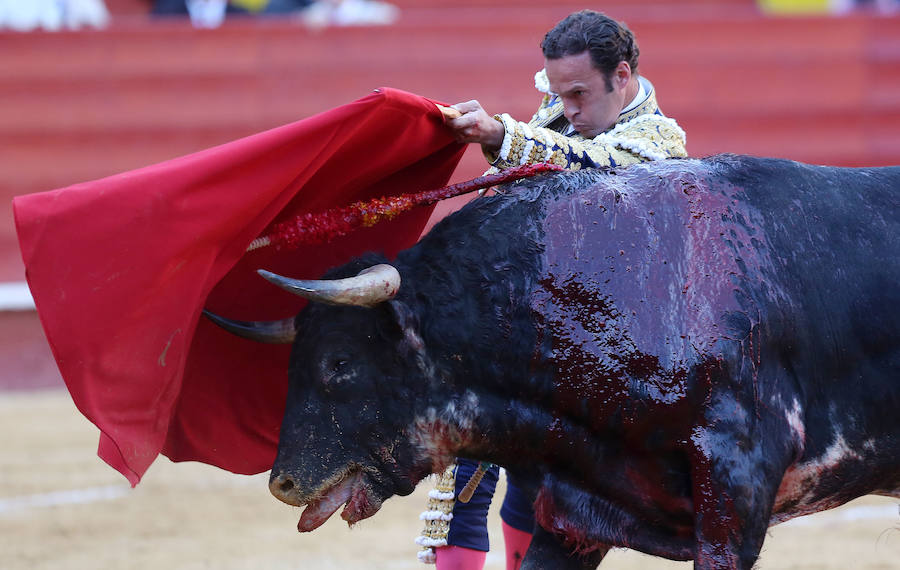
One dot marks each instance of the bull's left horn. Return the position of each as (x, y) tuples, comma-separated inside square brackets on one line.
[(271, 332), (370, 287)]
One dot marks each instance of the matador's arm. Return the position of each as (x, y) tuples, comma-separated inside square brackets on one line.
[(646, 137)]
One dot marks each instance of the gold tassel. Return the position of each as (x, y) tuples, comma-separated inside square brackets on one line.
[(466, 494), (438, 515)]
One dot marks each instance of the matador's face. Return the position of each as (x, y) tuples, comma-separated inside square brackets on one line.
[(592, 101)]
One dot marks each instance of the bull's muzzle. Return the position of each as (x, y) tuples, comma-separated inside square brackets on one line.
[(347, 489), (286, 490)]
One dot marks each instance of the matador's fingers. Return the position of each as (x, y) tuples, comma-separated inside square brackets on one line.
[(467, 106), (449, 113)]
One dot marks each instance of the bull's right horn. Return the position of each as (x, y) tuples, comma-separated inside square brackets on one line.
[(271, 332), (368, 288)]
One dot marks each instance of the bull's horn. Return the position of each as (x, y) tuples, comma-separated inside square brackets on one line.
[(370, 287), (271, 332)]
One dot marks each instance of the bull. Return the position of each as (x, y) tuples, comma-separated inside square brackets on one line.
[(670, 357)]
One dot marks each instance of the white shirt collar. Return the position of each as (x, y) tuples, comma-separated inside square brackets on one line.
[(638, 99)]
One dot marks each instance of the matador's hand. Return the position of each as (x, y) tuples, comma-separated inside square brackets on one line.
[(476, 126)]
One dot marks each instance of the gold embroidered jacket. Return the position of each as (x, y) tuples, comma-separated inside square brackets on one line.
[(641, 133)]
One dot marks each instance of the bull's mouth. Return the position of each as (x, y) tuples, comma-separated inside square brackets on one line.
[(353, 491)]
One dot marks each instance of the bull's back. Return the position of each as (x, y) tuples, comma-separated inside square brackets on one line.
[(832, 237), (810, 253)]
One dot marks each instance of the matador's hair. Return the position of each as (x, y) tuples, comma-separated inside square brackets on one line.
[(607, 40)]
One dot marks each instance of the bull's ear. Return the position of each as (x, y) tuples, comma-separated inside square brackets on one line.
[(408, 323)]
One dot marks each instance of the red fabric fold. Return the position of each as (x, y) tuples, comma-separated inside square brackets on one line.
[(120, 269)]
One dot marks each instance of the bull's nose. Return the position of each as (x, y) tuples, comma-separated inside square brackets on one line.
[(284, 488)]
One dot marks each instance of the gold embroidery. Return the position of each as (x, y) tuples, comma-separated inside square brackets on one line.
[(438, 515)]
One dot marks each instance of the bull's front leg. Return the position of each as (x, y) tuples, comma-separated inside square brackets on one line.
[(739, 457), (547, 552), (563, 536)]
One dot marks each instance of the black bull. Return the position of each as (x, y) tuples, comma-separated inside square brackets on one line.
[(671, 357)]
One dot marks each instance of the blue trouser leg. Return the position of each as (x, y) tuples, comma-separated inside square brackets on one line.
[(518, 509), (469, 525)]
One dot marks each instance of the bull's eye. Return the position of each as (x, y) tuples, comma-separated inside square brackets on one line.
[(335, 369)]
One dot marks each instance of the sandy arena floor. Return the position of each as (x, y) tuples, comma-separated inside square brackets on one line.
[(63, 508)]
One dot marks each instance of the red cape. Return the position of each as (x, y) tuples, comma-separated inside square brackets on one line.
[(120, 269)]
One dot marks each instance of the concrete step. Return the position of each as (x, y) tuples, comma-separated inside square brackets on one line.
[(79, 106)]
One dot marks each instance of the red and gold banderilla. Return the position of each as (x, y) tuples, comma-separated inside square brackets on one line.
[(322, 227)]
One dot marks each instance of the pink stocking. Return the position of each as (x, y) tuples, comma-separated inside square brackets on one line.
[(458, 558), (517, 542)]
